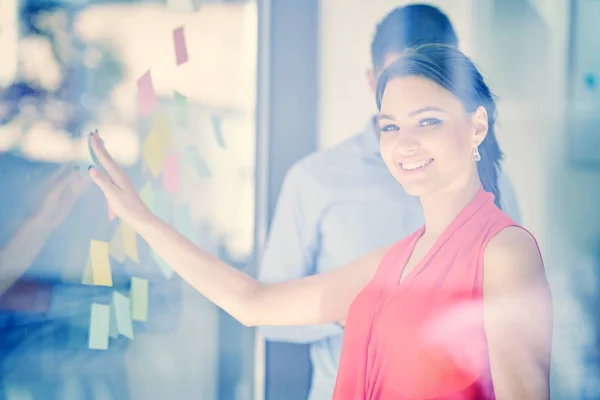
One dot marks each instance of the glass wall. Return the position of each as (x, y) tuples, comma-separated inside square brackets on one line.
[(87, 310)]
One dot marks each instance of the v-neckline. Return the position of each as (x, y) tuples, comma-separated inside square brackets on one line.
[(479, 200)]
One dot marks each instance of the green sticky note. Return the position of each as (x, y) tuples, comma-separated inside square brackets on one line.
[(181, 110), (185, 224), (216, 124), (198, 162), (122, 307), (147, 195), (162, 205), (139, 299), (99, 327), (162, 264)]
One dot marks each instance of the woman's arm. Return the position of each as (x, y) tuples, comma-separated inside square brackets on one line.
[(316, 299), (517, 316), (64, 188)]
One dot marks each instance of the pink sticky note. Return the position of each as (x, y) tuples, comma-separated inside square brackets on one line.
[(171, 174), (181, 54), (111, 213), (147, 96)]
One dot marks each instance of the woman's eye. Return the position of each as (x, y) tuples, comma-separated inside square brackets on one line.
[(429, 122), (389, 128)]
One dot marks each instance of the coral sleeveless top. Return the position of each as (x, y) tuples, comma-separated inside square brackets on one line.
[(423, 337)]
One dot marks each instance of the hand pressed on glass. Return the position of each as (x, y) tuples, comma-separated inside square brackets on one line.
[(115, 185)]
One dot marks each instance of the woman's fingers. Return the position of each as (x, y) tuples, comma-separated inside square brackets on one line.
[(108, 187), (55, 177), (59, 186), (115, 173)]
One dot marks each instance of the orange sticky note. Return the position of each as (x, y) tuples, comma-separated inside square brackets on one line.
[(101, 274), (129, 237)]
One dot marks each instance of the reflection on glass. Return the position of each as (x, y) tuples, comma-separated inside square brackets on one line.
[(66, 265)]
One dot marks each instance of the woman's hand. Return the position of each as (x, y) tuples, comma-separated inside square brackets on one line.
[(61, 191), (116, 186)]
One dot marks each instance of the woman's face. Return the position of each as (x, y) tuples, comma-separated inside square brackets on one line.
[(427, 138)]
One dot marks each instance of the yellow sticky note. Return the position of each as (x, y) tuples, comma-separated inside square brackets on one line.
[(129, 237), (100, 263), (153, 153), (88, 277), (139, 299), (117, 249), (162, 126)]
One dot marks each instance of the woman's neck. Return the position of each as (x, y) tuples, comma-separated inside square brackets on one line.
[(440, 209)]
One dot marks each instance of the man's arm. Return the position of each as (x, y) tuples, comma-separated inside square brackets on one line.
[(508, 198), (291, 249)]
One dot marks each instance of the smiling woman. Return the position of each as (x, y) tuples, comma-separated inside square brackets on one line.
[(424, 117), (431, 316)]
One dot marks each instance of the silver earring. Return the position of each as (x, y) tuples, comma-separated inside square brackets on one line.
[(476, 155)]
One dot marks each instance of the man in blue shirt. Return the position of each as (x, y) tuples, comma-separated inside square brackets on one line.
[(338, 204)]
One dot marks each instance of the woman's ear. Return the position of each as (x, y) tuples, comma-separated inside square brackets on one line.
[(479, 121)]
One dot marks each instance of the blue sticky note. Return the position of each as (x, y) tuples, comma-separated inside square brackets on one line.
[(198, 162), (113, 332), (99, 327), (162, 205), (122, 307), (162, 264), (216, 124)]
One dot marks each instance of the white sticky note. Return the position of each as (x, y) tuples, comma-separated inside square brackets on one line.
[(99, 327), (122, 307)]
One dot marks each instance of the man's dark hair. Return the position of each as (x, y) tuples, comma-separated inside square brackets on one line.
[(410, 26)]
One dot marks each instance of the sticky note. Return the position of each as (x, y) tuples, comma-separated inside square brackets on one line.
[(185, 224), (181, 5), (147, 195), (198, 162), (113, 332), (162, 126), (181, 54), (99, 327), (162, 206), (129, 237), (162, 264), (153, 153), (181, 110), (117, 249), (146, 94), (139, 299), (101, 273), (111, 213), (216, 124), (122, 306), (88, 276), (171, 174)]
